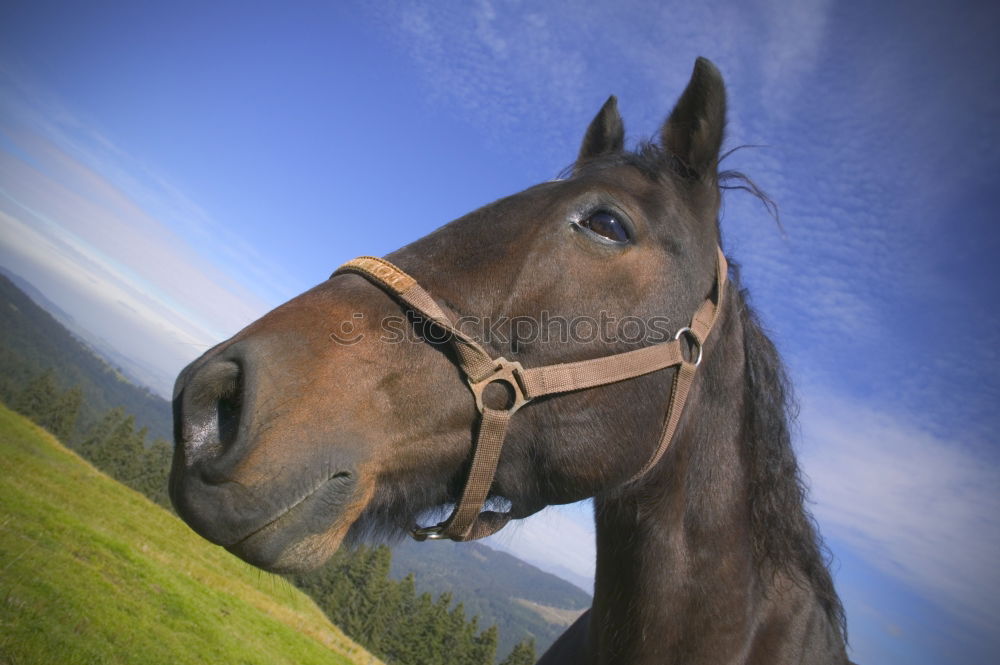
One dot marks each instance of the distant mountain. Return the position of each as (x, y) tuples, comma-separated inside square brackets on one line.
[(32, 341), (521, 599), (40, 299), (139, 372)]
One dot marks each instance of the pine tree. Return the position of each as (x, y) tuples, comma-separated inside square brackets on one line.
[(37, 400), (154, 472), (121, 452), (66, 414), (522, 654), (389, 619), (484, 649), (114, 446), (400, 644), (343, 595), (376, 590), (98, 432), (457, 640), (41, 401)]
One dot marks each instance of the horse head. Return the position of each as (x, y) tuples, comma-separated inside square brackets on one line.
[(343, 412)]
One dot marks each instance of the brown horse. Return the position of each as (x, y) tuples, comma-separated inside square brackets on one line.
[(346, 413)]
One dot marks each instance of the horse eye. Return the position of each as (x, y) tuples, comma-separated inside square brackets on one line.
[(605, 224)]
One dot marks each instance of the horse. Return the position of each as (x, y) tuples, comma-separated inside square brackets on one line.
[(346, 413)]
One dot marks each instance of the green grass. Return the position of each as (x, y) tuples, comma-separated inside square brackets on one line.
[(93, 572)]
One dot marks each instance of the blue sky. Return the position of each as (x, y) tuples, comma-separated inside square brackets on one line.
[(168, 174)]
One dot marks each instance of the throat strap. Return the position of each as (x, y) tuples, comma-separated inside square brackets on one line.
[(468, 521)]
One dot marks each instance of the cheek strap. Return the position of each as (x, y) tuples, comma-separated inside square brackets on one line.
[(468, 521)]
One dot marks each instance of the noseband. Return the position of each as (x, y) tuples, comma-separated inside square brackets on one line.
[(468, 521)]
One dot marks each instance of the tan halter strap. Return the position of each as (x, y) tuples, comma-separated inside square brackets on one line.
[(468, 521)]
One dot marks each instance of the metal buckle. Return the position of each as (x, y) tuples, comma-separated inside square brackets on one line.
[(507, 371), (429, 532), (693, 339)]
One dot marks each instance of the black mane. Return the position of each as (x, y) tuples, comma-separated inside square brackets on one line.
[(784, 534)]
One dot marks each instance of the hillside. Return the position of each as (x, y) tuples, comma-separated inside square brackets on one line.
[(136, 370), (522, 600), (32, 341), (93, 572)]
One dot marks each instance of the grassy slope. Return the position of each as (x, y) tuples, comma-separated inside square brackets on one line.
[(92, 572)]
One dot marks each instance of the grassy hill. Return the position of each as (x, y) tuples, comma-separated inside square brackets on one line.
[(32, 341), (92, 572), (522, 600)]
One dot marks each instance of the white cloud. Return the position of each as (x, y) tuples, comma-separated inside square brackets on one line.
[(80, 158), (795, 31), (922, 509), (113, 244), (72, 259), (503, 65)]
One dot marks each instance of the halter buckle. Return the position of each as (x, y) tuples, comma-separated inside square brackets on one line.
[(508, 371)]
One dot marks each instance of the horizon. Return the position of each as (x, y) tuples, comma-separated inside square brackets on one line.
[(168, 175)]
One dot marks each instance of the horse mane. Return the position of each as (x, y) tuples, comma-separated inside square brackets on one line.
[(783, 532)]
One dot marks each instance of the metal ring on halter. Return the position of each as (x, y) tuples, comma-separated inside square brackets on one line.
[(509, 372), (693, 339), (435, 532)]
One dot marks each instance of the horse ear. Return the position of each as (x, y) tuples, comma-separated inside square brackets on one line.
[(694, 130), (605, 135)]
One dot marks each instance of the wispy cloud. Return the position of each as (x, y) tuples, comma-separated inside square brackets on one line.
[(107, 235), (923, 509), (504, 66)]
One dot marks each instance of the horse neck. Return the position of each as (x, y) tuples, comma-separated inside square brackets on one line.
[(676, 577)]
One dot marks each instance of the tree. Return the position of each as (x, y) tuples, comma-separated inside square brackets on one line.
[(115, 447), (120, 453), (430, 629), (484, 649), (43, 402), (98, 432), (66, 413), (400, 644), (522, 654), (37, 398), (154, 472), (376, 589), (389, 618), (457, 643)]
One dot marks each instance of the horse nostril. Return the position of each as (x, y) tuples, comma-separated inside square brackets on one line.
[(210, 410), (228, 408)]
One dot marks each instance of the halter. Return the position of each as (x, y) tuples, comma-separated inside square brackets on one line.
[(468, 521)]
